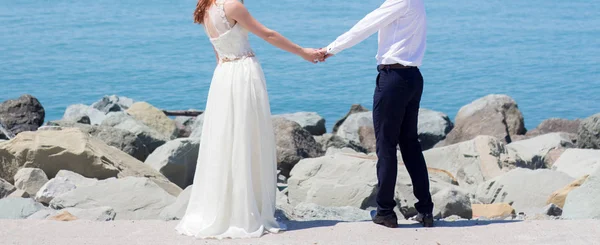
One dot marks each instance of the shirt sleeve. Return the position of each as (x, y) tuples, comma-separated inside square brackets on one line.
[(389, 11)]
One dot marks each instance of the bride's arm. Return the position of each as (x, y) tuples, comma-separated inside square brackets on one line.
[(239, 13)]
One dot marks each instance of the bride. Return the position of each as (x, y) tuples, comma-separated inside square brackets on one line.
[(235, 181)]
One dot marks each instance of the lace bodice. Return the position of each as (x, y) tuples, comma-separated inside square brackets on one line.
[(230, 42)]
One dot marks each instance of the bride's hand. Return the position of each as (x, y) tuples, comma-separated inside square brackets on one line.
[(311, 55)]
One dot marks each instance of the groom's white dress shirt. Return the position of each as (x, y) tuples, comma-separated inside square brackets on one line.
[(402, 33)]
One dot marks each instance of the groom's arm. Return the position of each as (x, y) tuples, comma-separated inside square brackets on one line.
[(389, 11)]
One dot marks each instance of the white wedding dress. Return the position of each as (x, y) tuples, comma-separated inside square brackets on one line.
[(233, 195)]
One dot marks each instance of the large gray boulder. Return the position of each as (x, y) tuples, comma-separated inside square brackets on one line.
[(54, 188), (71, 149), (6, 188), (328, 141), (583, 202), (536, 152), (555, 125), (335, 181), (132, 198), (589, 133), (113, 103), (310, 121), (293, 144), (18, 208), (452, 201), (124, 140), (493, 115), (82, 113), (349, 130), (176, 160), (433, 127), (356, 108), (151, 138), (578, 162), (93, 214), (153, 118), (176, 210), (184, 126), (472, 162), (527, 190), (312, 212), (25, 113), (30, 179)]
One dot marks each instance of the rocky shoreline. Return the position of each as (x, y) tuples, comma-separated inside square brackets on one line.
[(119, 159)]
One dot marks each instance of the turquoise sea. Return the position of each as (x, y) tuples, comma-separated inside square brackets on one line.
[(543, 53)]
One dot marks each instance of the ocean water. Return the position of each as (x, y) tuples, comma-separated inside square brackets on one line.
[(543, 53)]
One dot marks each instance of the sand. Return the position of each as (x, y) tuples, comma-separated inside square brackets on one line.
[(41, 232)]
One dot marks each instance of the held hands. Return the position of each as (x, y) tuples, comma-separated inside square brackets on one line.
[(315, 55)]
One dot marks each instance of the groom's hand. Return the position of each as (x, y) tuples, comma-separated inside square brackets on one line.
[(324, 54)]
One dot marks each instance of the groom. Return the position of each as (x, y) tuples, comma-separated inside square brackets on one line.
[(402, 30)]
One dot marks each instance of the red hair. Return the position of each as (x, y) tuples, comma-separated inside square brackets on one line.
[(201, 9)]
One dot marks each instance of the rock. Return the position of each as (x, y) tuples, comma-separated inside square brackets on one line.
[(552, 210), (6, 188), (18, 208), (154, 118), (348, 180), (150, 137), (83, 113), (349, 129), (43, 214), (123, 140), (176, 211), (93, 214), (333, 151), (493, 115), (333, 141), (555, 125), (472, 162), (493, 211), (535, 152), (333, 181), (452, 201), (293, 144), (77, 179), (525, 189), (578, 162), (558, 197), (19, 194), (197, 127), (63, 216), (433, 127), (30, 179), (74, 150), (54, 188), (113, 103), (176, 160), (583, 202), (131, 198), (310, 121), (312, 212), (366, 136), (353, 109), (589, 133), (22, 114), (184, 126)]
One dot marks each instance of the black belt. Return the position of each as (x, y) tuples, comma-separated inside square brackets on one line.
[(394, 66)]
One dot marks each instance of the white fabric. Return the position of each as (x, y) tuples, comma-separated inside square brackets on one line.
[(402, 27), (233, 195)]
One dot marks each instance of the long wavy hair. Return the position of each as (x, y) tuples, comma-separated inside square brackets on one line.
[(201, 9)]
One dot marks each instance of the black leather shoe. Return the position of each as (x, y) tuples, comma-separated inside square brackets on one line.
[(390, 221), (425, 219)]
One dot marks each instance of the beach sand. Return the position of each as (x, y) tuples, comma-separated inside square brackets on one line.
[(41, 232)]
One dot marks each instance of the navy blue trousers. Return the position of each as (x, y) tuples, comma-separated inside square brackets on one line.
[(395, 116)]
